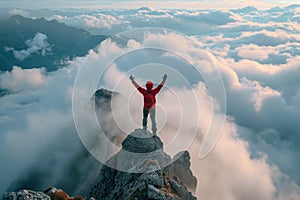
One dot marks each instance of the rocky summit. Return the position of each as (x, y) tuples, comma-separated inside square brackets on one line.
[(141, 141), (50, 193), (142, 170)]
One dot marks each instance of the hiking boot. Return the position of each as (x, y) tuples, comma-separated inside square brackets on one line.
[(154, 134)]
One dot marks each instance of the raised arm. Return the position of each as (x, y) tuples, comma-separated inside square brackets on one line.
[(133, 82), (158, 88), (138, 87)]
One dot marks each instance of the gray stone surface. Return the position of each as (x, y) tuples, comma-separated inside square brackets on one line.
[(155, 181), (25, 195), (141, 141), (140, 152), (154, 193), (181, 168)]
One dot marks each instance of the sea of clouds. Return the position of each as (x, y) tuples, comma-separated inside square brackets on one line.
[(257, 54)]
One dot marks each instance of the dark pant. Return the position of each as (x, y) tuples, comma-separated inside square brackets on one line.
[(152, 116)]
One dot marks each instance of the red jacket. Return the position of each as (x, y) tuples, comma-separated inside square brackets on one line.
[(149, 93)]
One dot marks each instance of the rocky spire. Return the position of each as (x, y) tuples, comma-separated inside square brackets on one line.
[(141, 152)]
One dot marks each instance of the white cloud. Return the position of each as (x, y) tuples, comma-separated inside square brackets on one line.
[(277, 34), (255, 52), (18, 79), (98, 20), (31, 119), (101, 20), (38, 44), (229, 172), (261, 93), (114, 21), (98, 23)]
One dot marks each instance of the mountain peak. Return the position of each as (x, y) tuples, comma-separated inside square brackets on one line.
[(142, 170), (66, 42), (141, 141)]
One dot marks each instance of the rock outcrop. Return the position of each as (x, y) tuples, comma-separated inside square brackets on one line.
[(159, 177), (50, 193), (141, 141), (25, 194)]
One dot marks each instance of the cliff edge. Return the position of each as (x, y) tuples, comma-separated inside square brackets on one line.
[(142, 171)]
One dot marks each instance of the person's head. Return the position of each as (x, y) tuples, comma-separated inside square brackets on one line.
[(149, 85)]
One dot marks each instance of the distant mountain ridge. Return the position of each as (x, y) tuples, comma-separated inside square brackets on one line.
[(65, 42)]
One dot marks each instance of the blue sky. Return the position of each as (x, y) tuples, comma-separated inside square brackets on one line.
[(202, 4)]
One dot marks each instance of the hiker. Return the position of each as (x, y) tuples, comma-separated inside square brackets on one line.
[(149, 100)]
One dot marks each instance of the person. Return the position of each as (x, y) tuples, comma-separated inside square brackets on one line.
[(149, 100)]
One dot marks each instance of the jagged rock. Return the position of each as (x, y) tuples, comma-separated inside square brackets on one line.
[(50, 193), (103, 93), (154, 193), (180, 167), (176, 186), (180, 190), (102, 99), (58, 194), (140, 152), (101, 102), (155, 181), (25, 195), (141, 141)]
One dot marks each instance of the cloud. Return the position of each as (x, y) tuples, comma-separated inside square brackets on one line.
[(113, 21), (93, 21), (265, 93), (255, 52), (18, 79), (197, 21), (235, 172), (101, 20), (265, 43), (35, 114), (271, 38), (38, 44)]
